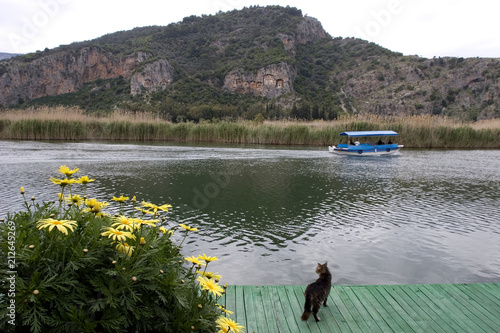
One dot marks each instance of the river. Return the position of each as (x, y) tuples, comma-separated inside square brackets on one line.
[(270, 214)]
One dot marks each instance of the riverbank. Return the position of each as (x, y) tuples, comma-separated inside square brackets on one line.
[(61, 123)]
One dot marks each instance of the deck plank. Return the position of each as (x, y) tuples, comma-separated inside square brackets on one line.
[(371, 308), (464, 319), (489, 308), (413, 309), (258, 311), (291, 309), (399, 313), (468, 307), (279, 310), (435, 307), (364, 315), (384, 308)]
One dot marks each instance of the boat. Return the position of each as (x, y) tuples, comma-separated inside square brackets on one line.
[(380, 145)]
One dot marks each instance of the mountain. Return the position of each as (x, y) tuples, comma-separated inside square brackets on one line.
[(4, 55), (270, 60)]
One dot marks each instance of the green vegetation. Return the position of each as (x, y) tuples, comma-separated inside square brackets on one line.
[(416, 131), (75, 268)]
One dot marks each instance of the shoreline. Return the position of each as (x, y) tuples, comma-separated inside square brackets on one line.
[(71, 124)]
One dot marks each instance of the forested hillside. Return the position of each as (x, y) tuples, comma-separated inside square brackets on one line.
[(270, 60)]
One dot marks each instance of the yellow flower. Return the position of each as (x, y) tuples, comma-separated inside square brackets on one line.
[(125, 248), (210, 285), (61, 225), (141, 222), (95, 206), (194, 260), (166, 231), (207, 258), (84, 180), (229, 325), (145, 211), (22, 190), (90, 202), (117, 234), (120, 199), (210, 275), (223, 329), (75, 199), (188, 228), (226, 311), (155, 207), (66, 171), (123, 222), (62, 182), (142, 241)]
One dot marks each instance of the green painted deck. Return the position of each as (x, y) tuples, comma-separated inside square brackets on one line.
[(388, 308)]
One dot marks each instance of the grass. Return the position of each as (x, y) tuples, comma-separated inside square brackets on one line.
[(62, 123)]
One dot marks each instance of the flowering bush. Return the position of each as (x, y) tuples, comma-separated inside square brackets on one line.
[(78, 269)]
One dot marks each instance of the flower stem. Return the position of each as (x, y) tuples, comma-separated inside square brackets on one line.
[(26, 203), (184, 238)]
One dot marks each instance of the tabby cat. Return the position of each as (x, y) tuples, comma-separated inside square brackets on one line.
[(317, 292)]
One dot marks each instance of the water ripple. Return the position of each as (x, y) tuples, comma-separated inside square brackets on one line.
[(271, 214)]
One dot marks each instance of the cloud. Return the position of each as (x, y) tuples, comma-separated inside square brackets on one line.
[(423, 27), (28, 22)]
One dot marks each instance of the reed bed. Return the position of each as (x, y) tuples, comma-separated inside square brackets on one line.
[(73, 124)]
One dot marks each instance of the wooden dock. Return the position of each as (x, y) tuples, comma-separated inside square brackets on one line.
[(388, 308)]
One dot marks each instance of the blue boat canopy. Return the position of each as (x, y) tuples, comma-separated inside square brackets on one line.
[(369, 133)]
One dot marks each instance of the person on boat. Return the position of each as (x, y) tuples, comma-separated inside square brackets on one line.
[(380, 142)]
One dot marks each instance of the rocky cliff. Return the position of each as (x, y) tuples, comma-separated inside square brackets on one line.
[(153, 77), (66, 69), (439, 86), (62, 72), (271, 81)]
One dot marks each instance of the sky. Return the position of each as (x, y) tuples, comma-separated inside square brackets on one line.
[(427, 28)]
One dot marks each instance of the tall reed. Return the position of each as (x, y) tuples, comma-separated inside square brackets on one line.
[(72, 124)]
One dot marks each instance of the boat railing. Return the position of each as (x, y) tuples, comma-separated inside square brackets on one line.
[(385, 145)]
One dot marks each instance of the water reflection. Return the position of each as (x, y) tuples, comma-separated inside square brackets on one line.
[(271, 214)]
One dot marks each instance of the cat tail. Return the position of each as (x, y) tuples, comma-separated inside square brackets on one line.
[(307, 309)]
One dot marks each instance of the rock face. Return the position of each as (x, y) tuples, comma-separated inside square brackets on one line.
[(271, 81), (407, 86), (154, 77), (310, 30), (277, 79), (63, 72)]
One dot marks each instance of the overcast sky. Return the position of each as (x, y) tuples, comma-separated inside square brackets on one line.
[(414, 27)]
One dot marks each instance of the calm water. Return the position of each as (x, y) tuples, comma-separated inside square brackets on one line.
[(271, 213)]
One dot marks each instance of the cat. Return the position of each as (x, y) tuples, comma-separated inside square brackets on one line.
[(317, 292)]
